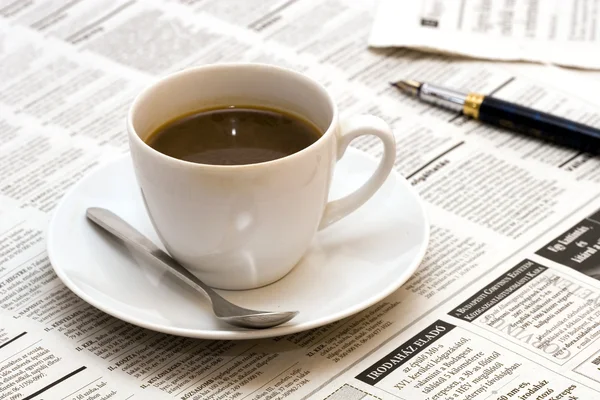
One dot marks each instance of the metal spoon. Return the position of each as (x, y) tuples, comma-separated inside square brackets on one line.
[(223, 309)]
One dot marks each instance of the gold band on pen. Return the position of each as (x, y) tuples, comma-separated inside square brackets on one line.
[(472, 104)]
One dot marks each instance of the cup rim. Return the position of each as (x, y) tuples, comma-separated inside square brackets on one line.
[(133, 135)]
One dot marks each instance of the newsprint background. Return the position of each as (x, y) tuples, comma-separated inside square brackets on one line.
[(506, 305)]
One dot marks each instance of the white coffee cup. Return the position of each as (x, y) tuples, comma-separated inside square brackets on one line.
[(245, 226)]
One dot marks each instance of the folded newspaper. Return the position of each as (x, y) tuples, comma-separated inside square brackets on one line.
[(562, 32), (505, 306)]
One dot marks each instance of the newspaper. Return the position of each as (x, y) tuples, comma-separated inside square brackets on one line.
[(559, 32), (506, 304)]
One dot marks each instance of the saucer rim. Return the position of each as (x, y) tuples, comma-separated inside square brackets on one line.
[(233, 334)]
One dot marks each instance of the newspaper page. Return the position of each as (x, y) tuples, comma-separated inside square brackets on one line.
[(504, 306), (551, 31)]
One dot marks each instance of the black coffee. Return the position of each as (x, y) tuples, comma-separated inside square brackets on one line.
[(234, 136)]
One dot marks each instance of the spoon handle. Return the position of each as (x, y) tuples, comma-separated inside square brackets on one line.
[(115, 225)]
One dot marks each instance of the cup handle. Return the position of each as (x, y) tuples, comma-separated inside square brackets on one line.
[(350, 129)]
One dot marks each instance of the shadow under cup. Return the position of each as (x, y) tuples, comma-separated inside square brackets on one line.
[(235, 226)]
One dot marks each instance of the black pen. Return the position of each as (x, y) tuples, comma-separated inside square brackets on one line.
[(508, 115)]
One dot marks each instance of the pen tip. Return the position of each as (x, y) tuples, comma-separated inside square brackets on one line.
[(408, 86)]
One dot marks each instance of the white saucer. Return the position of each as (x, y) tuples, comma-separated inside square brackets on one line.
[(350, 266)]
